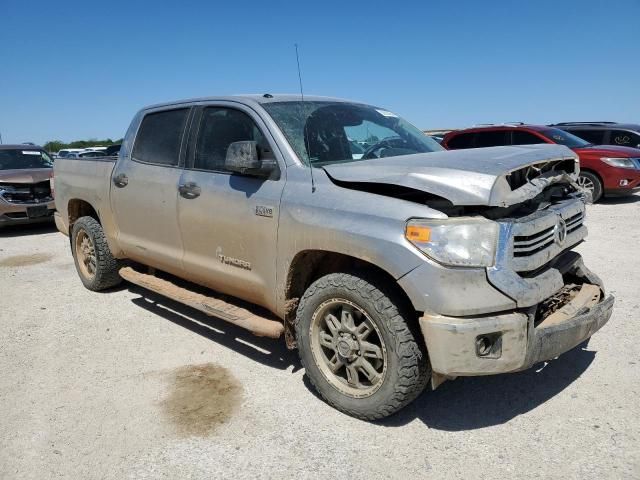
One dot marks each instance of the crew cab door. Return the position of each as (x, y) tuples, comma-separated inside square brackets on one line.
[(144, 190), (229, 222)]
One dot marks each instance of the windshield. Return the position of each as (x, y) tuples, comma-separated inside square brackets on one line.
[(337, 132), (564, 138), (23, 159)]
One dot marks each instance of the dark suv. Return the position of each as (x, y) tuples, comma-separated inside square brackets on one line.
[(604, 133), (608, 169)]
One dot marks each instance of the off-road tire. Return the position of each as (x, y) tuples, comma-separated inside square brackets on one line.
[(597, 184), (106, 267), (408, 368)]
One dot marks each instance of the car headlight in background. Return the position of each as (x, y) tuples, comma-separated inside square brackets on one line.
[(619, 162), (459, 242)]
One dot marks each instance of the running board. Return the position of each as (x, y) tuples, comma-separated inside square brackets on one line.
[(212, 306)]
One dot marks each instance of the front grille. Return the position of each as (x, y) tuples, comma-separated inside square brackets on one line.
[(527, 245), (539, 239), (522, 176), (25, 193)]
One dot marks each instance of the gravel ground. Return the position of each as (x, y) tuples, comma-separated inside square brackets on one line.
[(128, 385)]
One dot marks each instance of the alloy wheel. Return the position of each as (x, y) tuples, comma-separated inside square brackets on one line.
[(85, 254), (586, 183), (348, 348)]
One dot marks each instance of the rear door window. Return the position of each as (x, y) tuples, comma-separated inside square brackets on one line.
[(160, 137), (625, 138), (521, 137), (592, 136), (492, 138), (461, 140)]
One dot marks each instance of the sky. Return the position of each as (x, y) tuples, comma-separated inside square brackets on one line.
[(76, 70)]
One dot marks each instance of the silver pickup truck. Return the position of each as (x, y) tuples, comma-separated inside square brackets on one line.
[(388, 262)]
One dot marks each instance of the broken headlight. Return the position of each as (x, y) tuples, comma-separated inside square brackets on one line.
[(459, 242)]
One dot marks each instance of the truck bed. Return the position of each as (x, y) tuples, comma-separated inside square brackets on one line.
[(85, 178)]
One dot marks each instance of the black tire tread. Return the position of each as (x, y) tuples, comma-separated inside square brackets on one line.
[(414, 369), (107, 267)]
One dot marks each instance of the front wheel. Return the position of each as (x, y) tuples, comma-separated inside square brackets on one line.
[(358, 348), (591, 183)]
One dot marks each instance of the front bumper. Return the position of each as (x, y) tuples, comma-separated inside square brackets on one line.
[(622, 191), (18, 213), (621, 181), (452, 342), (517, 341)]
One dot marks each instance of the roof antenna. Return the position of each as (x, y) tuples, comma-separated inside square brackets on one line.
[(304, 130)]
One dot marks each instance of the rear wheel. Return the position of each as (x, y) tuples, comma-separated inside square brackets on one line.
[(592, 184), (357, 347), (95, 264)]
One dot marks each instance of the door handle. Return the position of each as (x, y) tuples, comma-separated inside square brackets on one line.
[(189, 190), (121, 180)]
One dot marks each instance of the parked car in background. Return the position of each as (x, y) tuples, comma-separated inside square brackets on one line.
[(604, 133), (604, 169), (25, 192), (64, 153), (112, 150), (87, 154), (437, 135), (387, 267)]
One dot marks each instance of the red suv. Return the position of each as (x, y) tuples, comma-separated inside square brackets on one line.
[(604, 169)]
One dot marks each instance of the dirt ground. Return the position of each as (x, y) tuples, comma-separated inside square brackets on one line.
[(125, 384)]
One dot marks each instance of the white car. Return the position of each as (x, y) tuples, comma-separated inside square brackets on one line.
[(64, 153), (86, 153), (94, 149)]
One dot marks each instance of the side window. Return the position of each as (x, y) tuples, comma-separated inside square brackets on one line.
[(592, 136), (492, 138), (219, 128), (461, 140), (159, 137), (520, 137), (625, 138)]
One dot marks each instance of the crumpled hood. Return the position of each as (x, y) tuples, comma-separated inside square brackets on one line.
[(27, 175), (464, 177)]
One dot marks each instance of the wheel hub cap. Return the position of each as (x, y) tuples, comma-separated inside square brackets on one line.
[(348, 348)]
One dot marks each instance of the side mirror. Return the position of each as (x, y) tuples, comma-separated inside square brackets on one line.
[(242, 157)]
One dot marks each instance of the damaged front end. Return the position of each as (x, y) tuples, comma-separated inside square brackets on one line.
[(526, 183), (525, 296), (558, 302), (516, 340), (499, 177)]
